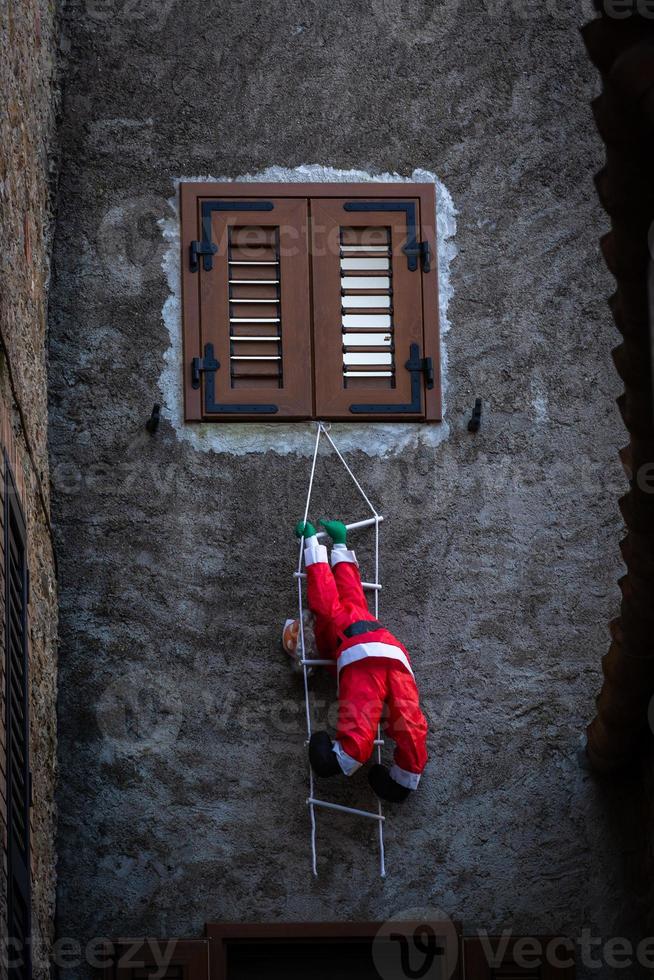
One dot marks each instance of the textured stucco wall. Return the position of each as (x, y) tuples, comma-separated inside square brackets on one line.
[(182, 780), (28, 164), (28, 159)]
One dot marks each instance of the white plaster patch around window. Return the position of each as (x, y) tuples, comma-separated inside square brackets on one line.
[(373, 438)]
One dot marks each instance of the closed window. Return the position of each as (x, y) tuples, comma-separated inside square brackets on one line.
[(326, 950), (310, 301)]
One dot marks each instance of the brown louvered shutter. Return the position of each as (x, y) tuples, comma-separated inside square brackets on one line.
[(247, 312), (369, 341), (496, 959), (17, 735), (273, 333), (156, 959)]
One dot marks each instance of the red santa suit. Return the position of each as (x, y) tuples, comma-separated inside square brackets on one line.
[(373, 667)]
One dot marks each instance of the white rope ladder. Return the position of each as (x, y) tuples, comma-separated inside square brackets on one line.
[(375, 587)]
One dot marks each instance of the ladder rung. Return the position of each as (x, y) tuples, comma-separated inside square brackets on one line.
[(254, 319), (369, 586), (346, 809), (356, 525), (237, 338), (378, 741), (318, 663)]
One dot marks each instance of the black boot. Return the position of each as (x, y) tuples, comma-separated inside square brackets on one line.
[(385, 787), (322, 757)]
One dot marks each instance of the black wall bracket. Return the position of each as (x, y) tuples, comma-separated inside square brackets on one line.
[(421, 368), (152, 423), (474, 422), (412, 248), (206, 247), (209, 365)]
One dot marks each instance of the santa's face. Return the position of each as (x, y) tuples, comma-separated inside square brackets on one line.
[(290, 637)]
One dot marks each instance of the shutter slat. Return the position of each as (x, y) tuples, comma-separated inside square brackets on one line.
[(15, 680), (16, 728), (16, 735)]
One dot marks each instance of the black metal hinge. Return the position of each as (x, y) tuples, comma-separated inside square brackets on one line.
[(419, 368), (201, 248), (428, 371), (205, 247), (209, 365), (200, 364), (412, 248), (419, 250)]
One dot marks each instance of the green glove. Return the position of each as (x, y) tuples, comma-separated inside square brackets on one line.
[(335, 529), (303, 530)]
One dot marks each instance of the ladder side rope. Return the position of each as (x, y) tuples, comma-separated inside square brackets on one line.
[(354, 479), (314, 857), (382, 852), (312, 801)]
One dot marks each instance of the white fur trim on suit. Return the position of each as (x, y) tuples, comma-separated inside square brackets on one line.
[(314, 552), (362, 650), (342, 553), (345, 761), (409, 780)]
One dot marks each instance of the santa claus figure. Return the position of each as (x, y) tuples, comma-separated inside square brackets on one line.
[(374, 672)]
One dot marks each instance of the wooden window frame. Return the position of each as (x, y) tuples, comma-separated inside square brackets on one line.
[(220, 934), (476, 964), (195, 293), (206, 959), (123, 959)]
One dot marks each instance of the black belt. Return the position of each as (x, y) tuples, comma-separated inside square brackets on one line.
[(362, 626)]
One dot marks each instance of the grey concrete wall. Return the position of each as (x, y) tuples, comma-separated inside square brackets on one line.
[(183, 784), (28, 161)]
